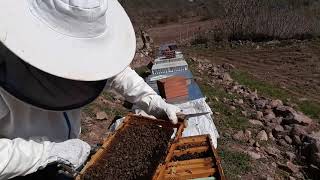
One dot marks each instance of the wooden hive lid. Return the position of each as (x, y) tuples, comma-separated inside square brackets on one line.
[(173, 79)]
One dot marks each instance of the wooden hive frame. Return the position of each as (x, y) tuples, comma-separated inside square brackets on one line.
[(129, 121), (193, 168), (170, 170)]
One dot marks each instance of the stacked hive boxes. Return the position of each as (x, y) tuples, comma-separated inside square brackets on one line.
[(174, 89), (169, 54)]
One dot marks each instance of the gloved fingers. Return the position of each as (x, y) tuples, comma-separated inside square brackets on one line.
[(160, 109), (171, 112), (83, 154), (73, 152), (143, 113), (67, 171)]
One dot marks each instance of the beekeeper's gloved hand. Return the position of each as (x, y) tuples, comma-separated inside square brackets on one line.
[(129, 84), (160, 109), (20, 157), (72, 152)]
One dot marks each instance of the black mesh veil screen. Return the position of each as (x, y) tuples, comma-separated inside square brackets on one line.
[(41, 89)]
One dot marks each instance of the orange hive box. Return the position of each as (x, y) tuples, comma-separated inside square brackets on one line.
[(175, 87), (177, 99), (170, 54)]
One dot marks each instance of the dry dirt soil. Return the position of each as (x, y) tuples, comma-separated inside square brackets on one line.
[(177, 32), (294, 66), (150, 13), (95, 130)]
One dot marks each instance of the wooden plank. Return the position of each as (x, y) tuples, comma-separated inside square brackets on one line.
[(177, 95), (173, 78), (191, 145), (185, 140), (192, 161), (180, 130), (192, 174), (170, 154), (218, 162), (175, 84), (191, 150), (188, 168), (127, 119), (159, 172)]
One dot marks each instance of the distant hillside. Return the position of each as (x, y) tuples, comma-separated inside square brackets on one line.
[(253, 20), (148, 13), (152, 12)]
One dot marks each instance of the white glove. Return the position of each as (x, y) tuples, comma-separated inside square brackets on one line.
[(72, 152), (19, 157), (129, 84), (159, 108)]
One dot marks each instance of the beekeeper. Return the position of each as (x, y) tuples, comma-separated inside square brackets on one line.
[(57, 56)]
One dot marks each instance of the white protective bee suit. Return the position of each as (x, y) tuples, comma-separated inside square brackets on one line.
[(20, 123), (74, 41)]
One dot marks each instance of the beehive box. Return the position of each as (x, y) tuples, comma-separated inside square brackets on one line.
[(174, 88), (169, 54), (191, 158), (90, 171), (185, 158)]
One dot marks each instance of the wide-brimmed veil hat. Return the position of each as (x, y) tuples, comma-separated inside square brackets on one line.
[(58, 54), (84, 40)]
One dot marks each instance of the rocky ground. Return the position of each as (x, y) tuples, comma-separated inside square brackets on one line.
[(262, 138), (265, 133), (97, 117), (291, 65)]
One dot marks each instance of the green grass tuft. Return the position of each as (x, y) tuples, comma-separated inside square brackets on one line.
[(235, 163), (107, 95), (262, 87), (227, 117), (309, 108), (143, 71), (88, 110)]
